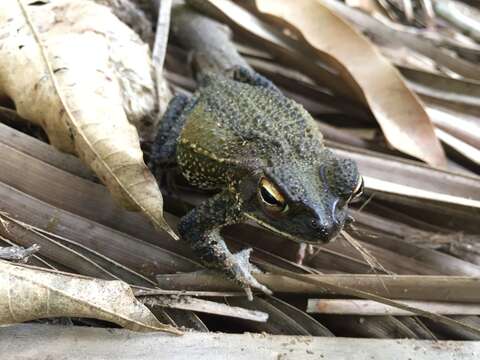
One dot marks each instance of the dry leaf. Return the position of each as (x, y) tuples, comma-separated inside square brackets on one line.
[(28, 294), (73, 68), (375, 81)]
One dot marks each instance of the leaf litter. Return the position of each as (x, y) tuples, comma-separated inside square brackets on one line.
[(297, 45)]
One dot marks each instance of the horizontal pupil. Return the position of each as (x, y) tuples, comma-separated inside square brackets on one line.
[(268, 198)]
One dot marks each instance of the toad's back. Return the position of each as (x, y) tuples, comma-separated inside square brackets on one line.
[(232, 126)]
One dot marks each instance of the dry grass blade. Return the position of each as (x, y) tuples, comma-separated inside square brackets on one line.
[(161, 36), (27, 294), (400, 115), (372, 308), (72, 105), (413, 242), (139, 291), (205, 306), (369, 258)]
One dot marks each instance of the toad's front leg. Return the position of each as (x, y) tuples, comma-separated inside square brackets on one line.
[(201, 228)]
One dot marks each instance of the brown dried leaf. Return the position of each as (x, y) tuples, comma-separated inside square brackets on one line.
[(84, 101), (28, 294), (375, 81)]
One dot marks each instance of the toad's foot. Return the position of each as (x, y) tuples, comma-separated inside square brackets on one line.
[(303, 250), (241, 270)]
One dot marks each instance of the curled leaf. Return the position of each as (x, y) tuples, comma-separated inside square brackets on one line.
[(28, 294), (86, 103)]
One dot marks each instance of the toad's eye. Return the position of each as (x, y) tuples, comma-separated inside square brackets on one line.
[(271, 199), (358, 192)]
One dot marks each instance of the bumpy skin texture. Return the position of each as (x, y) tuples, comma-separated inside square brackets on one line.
[(234, 132)]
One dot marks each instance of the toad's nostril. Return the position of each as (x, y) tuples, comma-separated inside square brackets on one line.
[(315, 224), (326, 232)]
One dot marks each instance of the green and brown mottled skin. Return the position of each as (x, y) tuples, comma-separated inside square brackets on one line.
[(234, 131)]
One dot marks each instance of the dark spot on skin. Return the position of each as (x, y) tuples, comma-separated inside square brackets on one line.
[(57, 70), (38, 3), (71, 134)]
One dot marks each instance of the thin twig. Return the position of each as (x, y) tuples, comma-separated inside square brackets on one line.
[(152, 292), (161, 35), (158, 54)]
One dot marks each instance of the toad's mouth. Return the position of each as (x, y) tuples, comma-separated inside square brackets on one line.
[(294, 238)]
